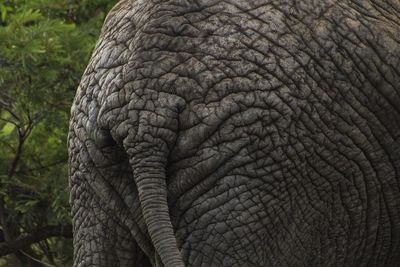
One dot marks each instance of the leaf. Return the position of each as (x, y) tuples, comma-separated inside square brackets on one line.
[(7, 129), (27, 17), (3, 10)]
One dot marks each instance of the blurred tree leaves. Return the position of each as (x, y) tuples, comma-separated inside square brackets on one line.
[(44, 48)]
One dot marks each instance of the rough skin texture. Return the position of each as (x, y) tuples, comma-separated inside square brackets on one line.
[(239, 133)]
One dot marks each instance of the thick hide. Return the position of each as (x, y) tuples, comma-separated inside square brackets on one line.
[(239, 133)]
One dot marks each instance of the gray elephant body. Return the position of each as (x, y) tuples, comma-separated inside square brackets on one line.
[(239, 133)]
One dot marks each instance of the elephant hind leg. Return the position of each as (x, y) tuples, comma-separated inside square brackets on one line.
[(100, 239), (104, 233)]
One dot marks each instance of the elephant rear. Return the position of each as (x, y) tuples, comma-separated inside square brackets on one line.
[(242, 133)]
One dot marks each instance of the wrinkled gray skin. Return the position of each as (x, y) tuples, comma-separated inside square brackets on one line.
[(239, 133)]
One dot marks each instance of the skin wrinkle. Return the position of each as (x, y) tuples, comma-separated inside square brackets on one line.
[(199, 188), (272, 128), (119, 210)]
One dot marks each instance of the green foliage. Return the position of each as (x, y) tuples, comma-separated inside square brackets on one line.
[(45, 46)]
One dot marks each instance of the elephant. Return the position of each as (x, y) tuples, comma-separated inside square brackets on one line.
[(239, 133)]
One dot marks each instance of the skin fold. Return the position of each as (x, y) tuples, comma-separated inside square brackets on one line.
[(239, 133)]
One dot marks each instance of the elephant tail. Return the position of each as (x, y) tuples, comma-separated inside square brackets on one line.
[(150, 177), (147, 143)]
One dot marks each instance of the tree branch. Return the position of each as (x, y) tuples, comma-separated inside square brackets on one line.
[(34, 237)]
